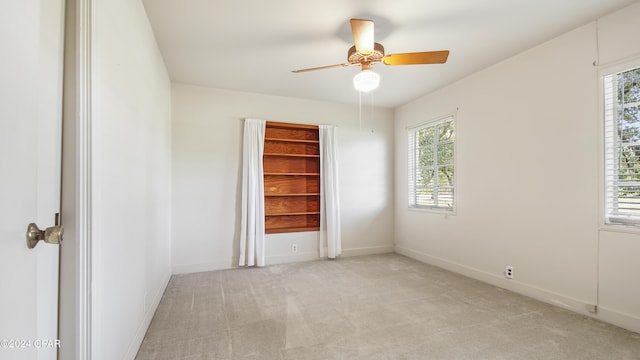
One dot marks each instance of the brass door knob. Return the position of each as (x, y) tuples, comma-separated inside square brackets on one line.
[(51, 235)]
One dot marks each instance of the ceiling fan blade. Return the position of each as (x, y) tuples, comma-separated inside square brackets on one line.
[(320, 68), (362, 35), (427, 57)]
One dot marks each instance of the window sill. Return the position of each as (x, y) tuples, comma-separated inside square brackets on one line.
[(629, 228), (432, 210)]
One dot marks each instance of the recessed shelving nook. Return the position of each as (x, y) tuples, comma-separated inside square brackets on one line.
[(291, 165)]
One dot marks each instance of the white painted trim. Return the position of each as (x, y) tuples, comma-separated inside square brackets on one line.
[(226, 265), (578, 306), (312, 256), (136, 342), (369, 250), (433, 122), (292, 258), (281, 259), (619, 228), (621, 65), (84, 60), (194, 268), (625, 321)]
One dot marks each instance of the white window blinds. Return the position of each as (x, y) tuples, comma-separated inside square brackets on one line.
[(431, 165), (622, 147)]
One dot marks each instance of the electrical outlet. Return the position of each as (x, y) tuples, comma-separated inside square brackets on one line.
[(294, 248), (508, 272)]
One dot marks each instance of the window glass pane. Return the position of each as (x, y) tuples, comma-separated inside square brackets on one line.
[(630, 117), (426, 156), (445, 197), (445, 153), (629, 89), (425, 146), (426, 178), (445, 176), (446, 131)]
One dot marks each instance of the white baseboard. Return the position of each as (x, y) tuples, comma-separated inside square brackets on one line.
[(136, 342), (291, 258), (281, 259), (311, 256), (625, 321), (371, 250), (499, 281), (194, 268), (270, 260)]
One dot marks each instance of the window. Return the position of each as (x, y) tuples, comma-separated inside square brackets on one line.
[(431, 165), (622, 146), (291, 178)]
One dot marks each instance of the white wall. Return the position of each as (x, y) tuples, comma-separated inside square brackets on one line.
[(528, 150), (131, 160), (207, 152)]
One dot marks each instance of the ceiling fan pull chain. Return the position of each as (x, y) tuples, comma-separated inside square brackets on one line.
[(360, 107), (372, 111)]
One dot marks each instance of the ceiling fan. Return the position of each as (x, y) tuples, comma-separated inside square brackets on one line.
[(366, 52)]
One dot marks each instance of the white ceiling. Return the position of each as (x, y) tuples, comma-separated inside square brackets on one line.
[(252, 45)]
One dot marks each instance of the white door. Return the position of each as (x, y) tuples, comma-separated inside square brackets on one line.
[(30, 142)]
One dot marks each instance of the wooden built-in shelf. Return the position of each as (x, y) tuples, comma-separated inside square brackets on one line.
[(293, 140), (291, 229), (291, 165), (291, 214), (294, 155), (292, 174), (302, 194)]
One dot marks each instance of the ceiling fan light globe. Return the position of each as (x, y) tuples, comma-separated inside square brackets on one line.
[(366, 81)]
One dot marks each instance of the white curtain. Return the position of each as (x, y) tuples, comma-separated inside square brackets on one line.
[(330, 240), (252, 251)]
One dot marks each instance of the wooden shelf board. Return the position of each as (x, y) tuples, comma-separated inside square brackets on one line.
[(288, 230), (297, 213), (293, 140), (294, 194), (292, 174), (291, 125), (294, 155)]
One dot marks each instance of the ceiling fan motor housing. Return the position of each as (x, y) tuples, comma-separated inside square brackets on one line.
[(375, 56)]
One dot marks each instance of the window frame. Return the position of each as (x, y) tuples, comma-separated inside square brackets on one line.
[(411, 183), (611, 220)]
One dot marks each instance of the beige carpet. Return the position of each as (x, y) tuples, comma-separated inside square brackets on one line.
[(370, 307)]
